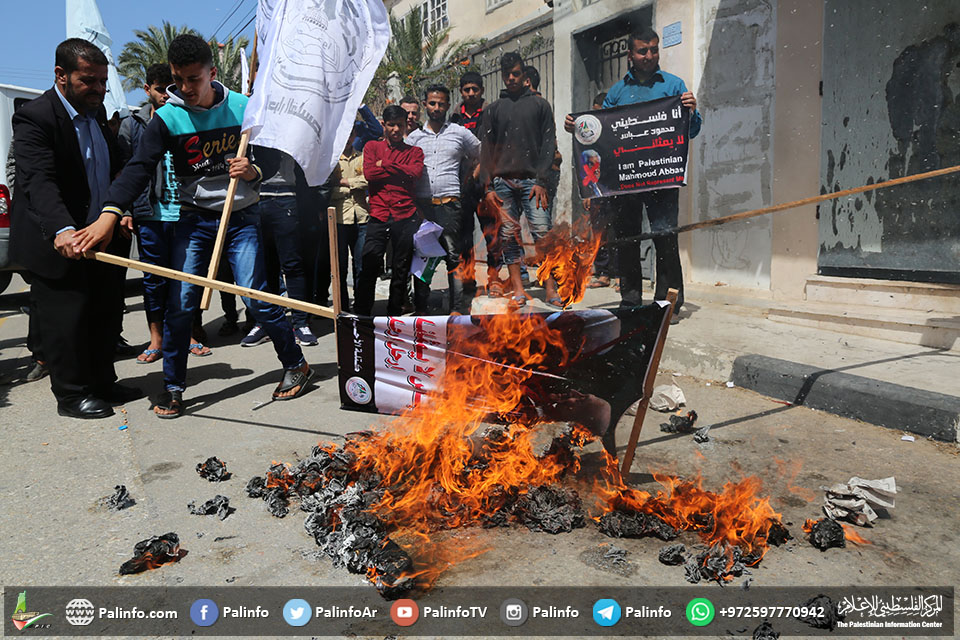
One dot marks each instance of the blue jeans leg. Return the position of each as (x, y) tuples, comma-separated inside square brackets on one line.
[(190, 253), (516, 202), (155, 240), (510, 211), (246, 260)]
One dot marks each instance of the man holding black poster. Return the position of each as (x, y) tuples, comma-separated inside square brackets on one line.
[(645, 82)]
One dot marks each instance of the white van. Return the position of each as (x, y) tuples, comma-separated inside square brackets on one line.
[(11, 97)]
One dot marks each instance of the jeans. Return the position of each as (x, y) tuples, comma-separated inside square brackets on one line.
[(280, 229), (155, 239), (399, 233), (663, 209), (471, 210), (350, 239), (515, 194), (192, 248), (447, 216)]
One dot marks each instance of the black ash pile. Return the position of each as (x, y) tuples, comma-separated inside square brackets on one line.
[(345, 513), (213, 469), (152, 553)]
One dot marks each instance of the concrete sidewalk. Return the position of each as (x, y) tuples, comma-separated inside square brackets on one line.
[(725, 335)]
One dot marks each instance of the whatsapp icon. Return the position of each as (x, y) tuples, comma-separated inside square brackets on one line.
[(700, 612)]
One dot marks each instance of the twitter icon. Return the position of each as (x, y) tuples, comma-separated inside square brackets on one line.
[(606, 612), (296, 612)]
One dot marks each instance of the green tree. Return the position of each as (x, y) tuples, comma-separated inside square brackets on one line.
[(149, 48), (418, 61), (226, 57)]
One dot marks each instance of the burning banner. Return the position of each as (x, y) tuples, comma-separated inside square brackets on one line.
[(585, 366), (317, 59), (378, 503), (632, 148)]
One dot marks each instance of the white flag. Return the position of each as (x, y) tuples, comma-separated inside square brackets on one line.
[(244, 74), (84, 21), (317, 58)]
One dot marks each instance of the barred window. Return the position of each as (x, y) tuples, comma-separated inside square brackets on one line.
[(493, 4), (433, 16)]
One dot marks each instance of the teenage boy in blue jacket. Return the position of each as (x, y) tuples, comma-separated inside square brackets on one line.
[(200, 126)]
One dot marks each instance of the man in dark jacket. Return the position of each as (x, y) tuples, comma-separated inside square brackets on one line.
[(65, 158), (519, 144)]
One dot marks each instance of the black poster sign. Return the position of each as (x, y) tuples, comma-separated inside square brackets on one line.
[(392, 364), (636, 147)]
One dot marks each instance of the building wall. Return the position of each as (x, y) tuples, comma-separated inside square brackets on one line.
[(891, 107), (469, 19), (735, 88), (796, 145)]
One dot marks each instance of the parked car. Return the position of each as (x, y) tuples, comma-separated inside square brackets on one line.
[(11, 97)]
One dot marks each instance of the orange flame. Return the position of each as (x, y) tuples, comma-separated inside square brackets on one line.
[(790, 471), (567, 254), (442, 468), (853, 536)]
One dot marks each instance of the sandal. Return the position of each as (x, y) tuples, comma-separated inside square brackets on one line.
[(518, 302), (293, 379), (148, 356), (495, 289), (598, 282), (556, 301), (198, 349), (169, 401)]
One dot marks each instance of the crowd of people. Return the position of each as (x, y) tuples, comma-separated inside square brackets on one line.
[(163, 178)]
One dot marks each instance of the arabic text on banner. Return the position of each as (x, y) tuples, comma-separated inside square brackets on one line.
[(637, 147)]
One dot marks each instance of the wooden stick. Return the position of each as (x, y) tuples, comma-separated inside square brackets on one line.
[(787, 205), (253, 63), (272, 298), (334, 258), (224, 224), (648, 382)]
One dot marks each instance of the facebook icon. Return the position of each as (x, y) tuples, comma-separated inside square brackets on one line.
[(204, 612)]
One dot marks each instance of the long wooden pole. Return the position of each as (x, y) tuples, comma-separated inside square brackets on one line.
[(253, 64), (787, 205), (272, 298), (224, 224), (648, 382), (334, 258)]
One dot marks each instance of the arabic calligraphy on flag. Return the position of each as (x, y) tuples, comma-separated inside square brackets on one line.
[(637, 147), (317, 58)]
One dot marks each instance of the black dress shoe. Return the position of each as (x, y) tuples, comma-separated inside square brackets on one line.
[(87, 407), (119, 394)]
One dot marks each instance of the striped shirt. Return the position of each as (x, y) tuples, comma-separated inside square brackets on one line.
[(442, 154)]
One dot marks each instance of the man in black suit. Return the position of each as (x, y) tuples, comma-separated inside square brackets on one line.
[(66, 156)]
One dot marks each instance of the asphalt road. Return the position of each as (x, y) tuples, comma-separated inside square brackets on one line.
[(53, 470)]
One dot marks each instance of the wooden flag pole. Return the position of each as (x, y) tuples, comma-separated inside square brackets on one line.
[(334, 259), (272, 298), (713, 222), (224, 224), (253, 63), (648, 383)]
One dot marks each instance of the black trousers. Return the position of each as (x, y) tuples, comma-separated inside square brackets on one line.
[(79, 318), (399, 234), (449, 217), (662, 208), (602, 221)]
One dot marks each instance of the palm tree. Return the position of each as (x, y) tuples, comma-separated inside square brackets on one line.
[(418, 61), (149, 48), (226, 57)]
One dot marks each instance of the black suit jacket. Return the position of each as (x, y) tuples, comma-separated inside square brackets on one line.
[(52, 191)]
